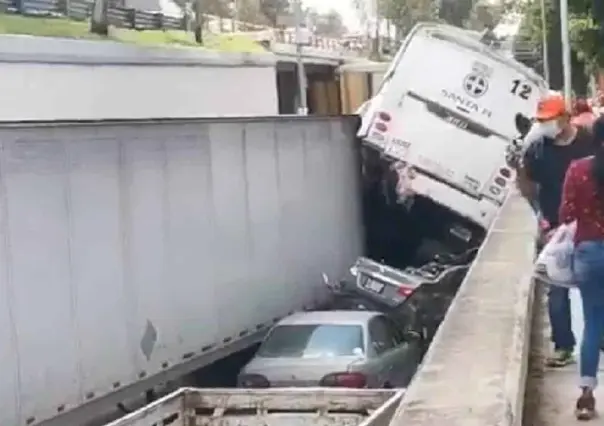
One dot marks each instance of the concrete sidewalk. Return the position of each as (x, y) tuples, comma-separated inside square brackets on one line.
[(553, 392), (559, 392), (478, 371)]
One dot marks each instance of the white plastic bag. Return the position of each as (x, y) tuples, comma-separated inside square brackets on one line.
[(554, 263)]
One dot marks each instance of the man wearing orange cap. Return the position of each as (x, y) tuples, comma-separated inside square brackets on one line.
[(556, 143)]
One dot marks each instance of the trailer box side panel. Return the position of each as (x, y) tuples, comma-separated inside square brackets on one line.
[(131, 248)]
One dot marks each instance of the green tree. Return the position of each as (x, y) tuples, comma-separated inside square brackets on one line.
[(219, 8), (584, 33), (329, 24), (211, 7), (248, 11), (404, 14), (484, 15), (311, 17), (582, 29), (455, 12), (274, 9)]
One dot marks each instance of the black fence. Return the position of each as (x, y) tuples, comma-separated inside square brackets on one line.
[(81, 10)]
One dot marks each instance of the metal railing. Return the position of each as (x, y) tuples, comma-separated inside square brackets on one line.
[(81, 10), (327, 43)]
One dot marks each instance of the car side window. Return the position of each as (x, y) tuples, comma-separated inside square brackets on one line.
[(380, 334)]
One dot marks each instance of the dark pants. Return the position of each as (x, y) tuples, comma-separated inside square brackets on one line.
[(558, 304), (558, 307)]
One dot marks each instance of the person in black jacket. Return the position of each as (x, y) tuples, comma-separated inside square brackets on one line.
[(544, 166)]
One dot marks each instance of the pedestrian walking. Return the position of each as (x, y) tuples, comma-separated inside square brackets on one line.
[(544, 164), (583, 201)]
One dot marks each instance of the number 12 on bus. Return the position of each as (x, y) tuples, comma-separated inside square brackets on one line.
[(521, 89)]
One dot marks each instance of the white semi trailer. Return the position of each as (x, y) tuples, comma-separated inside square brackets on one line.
[(132, 253)]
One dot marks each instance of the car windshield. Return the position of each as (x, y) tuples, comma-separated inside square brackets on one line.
[(313, 340)]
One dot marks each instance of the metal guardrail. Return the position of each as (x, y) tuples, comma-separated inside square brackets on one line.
[(273, 37), (81, 10), (327, 43)]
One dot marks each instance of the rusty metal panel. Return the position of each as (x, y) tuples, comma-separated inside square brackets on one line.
[(131, 247), (268, 407)]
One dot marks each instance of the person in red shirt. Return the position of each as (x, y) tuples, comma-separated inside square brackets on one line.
[(583, 202)]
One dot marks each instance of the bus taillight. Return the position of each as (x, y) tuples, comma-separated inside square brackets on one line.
[(384, 116), (381, 127)]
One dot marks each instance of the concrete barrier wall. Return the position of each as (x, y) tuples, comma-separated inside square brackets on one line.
[(475, 371), (59, 79)]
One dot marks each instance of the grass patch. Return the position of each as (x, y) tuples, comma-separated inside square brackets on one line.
[(66, 28), (233, 43)]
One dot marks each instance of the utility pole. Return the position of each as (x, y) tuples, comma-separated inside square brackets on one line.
[(375, 48), (234, 16), (300, 41), (99, 21), (566, 64), (598, 13), (544, 42), (198, 21)]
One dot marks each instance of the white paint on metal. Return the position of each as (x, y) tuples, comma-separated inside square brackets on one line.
[(208, 230), (59, 79), (43, 91)]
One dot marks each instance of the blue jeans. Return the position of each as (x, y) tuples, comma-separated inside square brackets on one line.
[(588, 268), (558, 306)]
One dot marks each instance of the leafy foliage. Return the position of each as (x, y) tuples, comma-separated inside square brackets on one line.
[(404, 14), (455, 12), (249, 11), (584, 38), (216, 7), (330, 24), (211, 7), (484, 15), (274, 9), (583, 30), (325, 24)]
